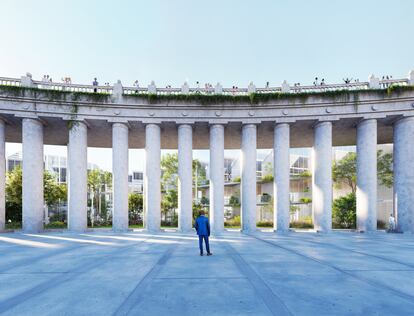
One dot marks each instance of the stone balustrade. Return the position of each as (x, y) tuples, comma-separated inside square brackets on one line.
[(373, 82)]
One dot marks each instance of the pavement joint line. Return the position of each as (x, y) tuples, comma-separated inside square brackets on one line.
[(136, 295), (356, 251), (58, 280), (29, 273), (272, 301), (360, 238), (198, 278), (360, 278), (377, 270)]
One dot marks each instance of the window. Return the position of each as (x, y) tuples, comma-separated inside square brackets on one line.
[(138, 175)]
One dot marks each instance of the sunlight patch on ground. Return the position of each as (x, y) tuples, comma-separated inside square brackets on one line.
[(29, 243), (114, 237), (83, 241)]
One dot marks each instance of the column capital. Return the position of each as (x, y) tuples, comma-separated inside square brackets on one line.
[(4, 120), (152, 124), (322, 123), (78, 121), (35, 119), (121, 124), (364, 121), (281, 124), (403, 119), (185, 125), (249, 125), (216, 124)]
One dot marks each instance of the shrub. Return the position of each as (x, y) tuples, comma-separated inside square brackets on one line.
[(381, 224), (57, 218), (56, 224), (264, 224), (235, 221), (267, 178), (265, 198), (305, 222), (237, 179), (234, 201), (344, 211), (306, 200), (14, 225), (173, 223)]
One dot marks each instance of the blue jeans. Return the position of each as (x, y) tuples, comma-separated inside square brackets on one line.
[(200, 243)]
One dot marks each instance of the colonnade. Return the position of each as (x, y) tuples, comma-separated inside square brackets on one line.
[(33, 201)]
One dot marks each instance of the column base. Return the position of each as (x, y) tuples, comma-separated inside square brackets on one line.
[(361, 231), (249, 231), (125, 230), (152, 231), (186, 231), (324, 232), (282, 232), (78, 231)]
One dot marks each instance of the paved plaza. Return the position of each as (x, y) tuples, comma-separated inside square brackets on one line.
[(136, 273)]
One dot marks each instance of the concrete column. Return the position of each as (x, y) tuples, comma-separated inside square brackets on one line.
[(185, 177), (366, 192), (322, 177), (152, 178), (404, 173), (77, 177), (248, 178), (281, 172), (32, 186), (2, 176), (217, 178), (120, 176)]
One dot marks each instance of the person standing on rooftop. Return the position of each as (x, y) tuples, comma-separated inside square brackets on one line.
[(95, 85)]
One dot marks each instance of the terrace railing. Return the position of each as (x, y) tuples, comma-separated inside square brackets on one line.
[(373, 83)]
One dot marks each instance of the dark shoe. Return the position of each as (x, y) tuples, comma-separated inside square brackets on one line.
[(201, 254), (209, 254)]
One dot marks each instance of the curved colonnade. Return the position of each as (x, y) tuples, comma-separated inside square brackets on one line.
[(319, 121)]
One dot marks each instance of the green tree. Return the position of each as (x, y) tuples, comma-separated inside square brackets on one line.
[(344, 171), (234, 201), (53, 192), (169, 182), (169, 203), (99, 181), (169, 171), (14, 195), (384, 167), (204, 200), (344, 211), (135, 208), (197, 208)]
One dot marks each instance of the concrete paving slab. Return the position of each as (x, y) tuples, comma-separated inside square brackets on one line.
[(138, 273)]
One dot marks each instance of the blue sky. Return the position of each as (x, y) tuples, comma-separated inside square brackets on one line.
[(227, 41), (233, 42)]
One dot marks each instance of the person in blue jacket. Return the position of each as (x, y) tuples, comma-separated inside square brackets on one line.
[(202, 227)]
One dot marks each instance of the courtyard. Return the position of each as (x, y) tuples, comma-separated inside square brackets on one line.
[(137, 273)]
